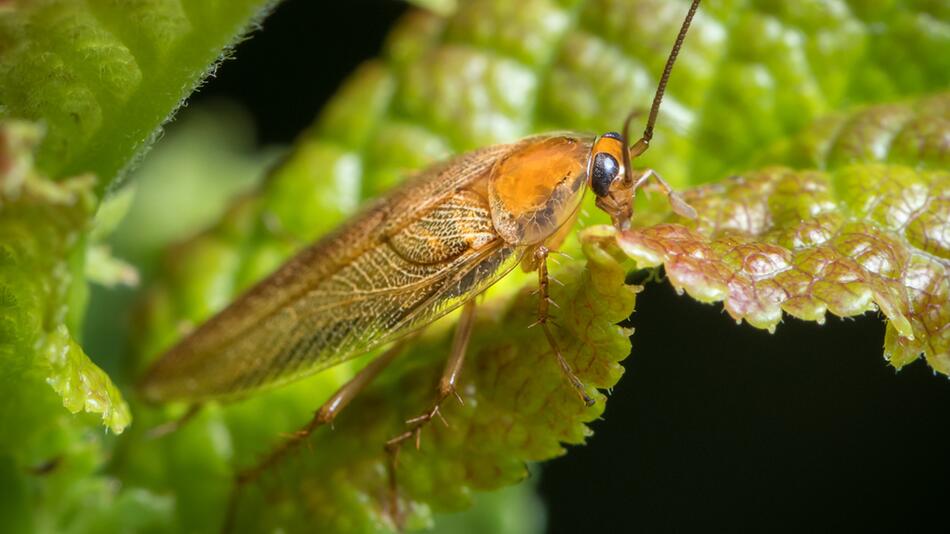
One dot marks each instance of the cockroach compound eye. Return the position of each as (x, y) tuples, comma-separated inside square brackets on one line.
[(606, 163)]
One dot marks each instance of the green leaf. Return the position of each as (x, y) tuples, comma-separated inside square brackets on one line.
[(101, 78), (104, 76), (82, 385), (41, 226), (516, 407), (751, 73), (911, 133), (47, 455)]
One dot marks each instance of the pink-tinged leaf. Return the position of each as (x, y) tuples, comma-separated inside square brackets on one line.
[(806, 243)]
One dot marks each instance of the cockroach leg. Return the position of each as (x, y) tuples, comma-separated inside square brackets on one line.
[(325, 415), (395, 513), (680, 207), (174, 425), (544, 303), (447, 385)]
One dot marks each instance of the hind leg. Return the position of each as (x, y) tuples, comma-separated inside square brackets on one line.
[(326, 414)]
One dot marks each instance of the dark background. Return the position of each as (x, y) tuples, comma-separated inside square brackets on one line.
[(715, 426)]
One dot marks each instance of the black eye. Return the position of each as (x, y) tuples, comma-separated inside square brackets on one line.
[(603, 172)]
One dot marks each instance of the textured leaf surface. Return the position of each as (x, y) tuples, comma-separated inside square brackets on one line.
[(41, 225), (750, 74), (871, 231), (99, 78), (517, 408), (103, 76), (913, 133), (807, 242), (48, 458)]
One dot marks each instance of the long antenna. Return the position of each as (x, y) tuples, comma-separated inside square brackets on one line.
[(640, 146)]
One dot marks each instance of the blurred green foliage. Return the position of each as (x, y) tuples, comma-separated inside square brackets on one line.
[(753, 78)]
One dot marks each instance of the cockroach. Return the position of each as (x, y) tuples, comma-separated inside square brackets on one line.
[(423, 250)]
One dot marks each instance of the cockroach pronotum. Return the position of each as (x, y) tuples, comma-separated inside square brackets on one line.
[(423, 250)]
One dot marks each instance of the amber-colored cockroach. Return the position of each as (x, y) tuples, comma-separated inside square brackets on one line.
[(425, 249)]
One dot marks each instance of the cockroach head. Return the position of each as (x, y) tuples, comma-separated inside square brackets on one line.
[(610, 168), (608, 177)]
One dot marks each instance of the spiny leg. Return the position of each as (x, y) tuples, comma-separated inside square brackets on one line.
[(326, 414), (447, 383), (544, 302)]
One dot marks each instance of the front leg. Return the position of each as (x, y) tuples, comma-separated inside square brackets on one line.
[(680, 206)]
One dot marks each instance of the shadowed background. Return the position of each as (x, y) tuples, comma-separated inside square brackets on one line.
[(714, 426)]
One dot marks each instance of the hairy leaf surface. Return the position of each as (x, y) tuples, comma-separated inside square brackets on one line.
[(47, 456), (103, 76), (41, 226)]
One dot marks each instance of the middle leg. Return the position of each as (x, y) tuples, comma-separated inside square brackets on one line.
[(447, 382), (447, 385)]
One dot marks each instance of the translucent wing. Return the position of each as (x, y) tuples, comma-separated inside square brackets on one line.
[(405, 261)]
